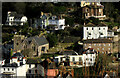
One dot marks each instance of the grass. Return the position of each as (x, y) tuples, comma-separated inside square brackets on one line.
[(60, 47)]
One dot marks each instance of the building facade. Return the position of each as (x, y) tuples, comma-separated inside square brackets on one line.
[(18, 67), (100, 45), (36, 45), (57, 22), (91, 31), (14, 19), (93, 10), (87, 58)]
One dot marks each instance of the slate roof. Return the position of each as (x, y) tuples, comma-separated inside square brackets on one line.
[(69, 52), (97, 41), (33, 61), (39, 40), (17, 16), (93, 25)]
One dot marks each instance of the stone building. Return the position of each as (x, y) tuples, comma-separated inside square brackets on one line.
[(93, 10), (37, 45), (100, 45)]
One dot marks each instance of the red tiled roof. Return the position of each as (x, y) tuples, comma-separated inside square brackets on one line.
[(52, 72)]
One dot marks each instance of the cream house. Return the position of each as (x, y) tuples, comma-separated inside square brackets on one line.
[(91, 31)]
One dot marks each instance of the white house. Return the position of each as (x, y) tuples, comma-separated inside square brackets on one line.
[(58, 22), (89, 57), (14, 19), (75, 59), (91, 31), (17, 68)]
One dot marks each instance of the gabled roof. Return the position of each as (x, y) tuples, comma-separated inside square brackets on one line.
[(90, 24), (39, 40), (93, 25), (33, 61), (102, 24), (17, 16)]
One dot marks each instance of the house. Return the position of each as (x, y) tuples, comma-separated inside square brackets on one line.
[(56, 22), (75, 59), (15, 68), (47, 20), (35, 68), (42, 21), (100, 45), (89, 57), (91, 31), (36, 45), (93, 10), (14, 19), (19, 67)]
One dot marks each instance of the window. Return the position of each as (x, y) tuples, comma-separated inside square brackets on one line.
[(43, 49), (103, 28), (99, 44), (34, 48), (109, 44), (29, 71), (86, 59), (94, 44), (12, 69), (61, 59), (92, 28), (90, 59), (73, 59), (16, 43), (86, 28), (8, 69), (4, 69), (35, 71), (102, 48), (29, 65), (104, 44), (36, 65), (99, 28), (80, 59)]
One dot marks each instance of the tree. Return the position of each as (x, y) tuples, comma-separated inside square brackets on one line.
[(69, 21), (52, 38), (20, 7), (93, 20)]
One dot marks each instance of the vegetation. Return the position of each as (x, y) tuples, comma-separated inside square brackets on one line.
[(52, 39)]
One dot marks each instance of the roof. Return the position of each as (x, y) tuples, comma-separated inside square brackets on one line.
[(33, 61), (10, 65), (39, 40), (94, 6), (17, 16), (52, 72), (90, 24), (89, 51), (69, 52), (102, 24), (97, 41)]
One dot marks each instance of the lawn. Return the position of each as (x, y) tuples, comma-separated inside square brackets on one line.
[(60, 47)]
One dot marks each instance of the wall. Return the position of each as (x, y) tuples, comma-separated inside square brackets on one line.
[(95, 32)]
